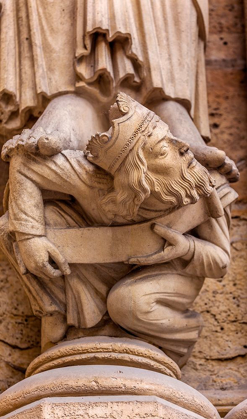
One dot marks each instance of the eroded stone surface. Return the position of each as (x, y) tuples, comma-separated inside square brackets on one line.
[(238, 412), (125, 407), (227, 116), (219, 359), (19, 329), (226, 16), (18, 326), (101, 380), (226, 82), (13, 363), (13, 297)]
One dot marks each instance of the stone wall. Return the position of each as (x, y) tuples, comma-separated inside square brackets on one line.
[(218, 364)]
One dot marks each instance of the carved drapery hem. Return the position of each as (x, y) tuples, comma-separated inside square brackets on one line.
[(138, 47)]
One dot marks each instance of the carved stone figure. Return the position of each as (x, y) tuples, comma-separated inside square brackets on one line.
[(111, 236), (134, 172), (98, 47), (94, 48)]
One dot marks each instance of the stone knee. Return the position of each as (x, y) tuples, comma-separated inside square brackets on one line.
[(150, 295), (153, 305), (120, 304), (133, 304)]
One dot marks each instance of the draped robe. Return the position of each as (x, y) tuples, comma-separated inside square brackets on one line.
[(151, 49)]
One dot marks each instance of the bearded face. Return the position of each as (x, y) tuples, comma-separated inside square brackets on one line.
[(192, 183), (173, 174), (161, 166)]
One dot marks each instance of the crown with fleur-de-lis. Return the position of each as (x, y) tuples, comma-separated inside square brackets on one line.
[(129, 122)]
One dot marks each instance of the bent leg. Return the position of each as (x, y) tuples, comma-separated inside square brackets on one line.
[(179, 121), (74, 119), (153, 304)]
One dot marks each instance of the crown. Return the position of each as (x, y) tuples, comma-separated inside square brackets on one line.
[(130, 121)]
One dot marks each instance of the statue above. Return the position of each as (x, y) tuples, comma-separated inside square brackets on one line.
[(116, 209), (136, 175)]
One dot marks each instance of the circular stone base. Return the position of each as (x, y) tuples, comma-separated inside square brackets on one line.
[(103, 350), (94, 382), (239, 411)]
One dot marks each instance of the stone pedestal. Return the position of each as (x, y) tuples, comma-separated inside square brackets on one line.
[(239, 411), (103, 407), (125, 379), (104, 350)]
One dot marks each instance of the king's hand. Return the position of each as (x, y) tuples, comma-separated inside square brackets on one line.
[(177, 246), (37, 253)]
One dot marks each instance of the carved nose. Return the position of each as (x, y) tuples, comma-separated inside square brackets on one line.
[(183, 148)]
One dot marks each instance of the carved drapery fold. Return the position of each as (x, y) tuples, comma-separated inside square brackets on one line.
[(101, 46)]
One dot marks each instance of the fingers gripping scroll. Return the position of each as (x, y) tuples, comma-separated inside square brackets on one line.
[(37, 253), (177, 245)]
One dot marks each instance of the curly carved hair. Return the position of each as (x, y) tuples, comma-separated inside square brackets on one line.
[(133, 183), (130, 186)]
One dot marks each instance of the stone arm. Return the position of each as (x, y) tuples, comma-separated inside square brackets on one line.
[(205, 252), (26, 208), (211, 253), (28, 176)]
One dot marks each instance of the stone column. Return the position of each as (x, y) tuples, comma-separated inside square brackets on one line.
[(102, 377)]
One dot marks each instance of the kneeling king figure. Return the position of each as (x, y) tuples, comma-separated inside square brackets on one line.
[(136, 174)]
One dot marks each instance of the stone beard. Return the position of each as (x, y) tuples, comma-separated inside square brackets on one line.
[(147, 173), (134, 182)]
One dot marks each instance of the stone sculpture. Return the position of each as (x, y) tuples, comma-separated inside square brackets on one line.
[(111, 236), (98, 47), (135, 172), (136, 175)]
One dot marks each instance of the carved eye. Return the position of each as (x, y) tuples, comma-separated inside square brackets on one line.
[(163, 151)]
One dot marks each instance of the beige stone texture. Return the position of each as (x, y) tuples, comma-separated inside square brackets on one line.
[(19, 329), (102, 350), (111, 208), (238, 412), (121, 407), (81, 43), (226, 83), (219, 360), (100, 380), (218, 364)]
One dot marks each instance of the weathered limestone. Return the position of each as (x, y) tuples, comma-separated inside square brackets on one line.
[(117, 407), (97, 381), (223, 341), (168, 178), (49, 143), (238, 412), (148, 176), (105, 351), (226, 84)]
